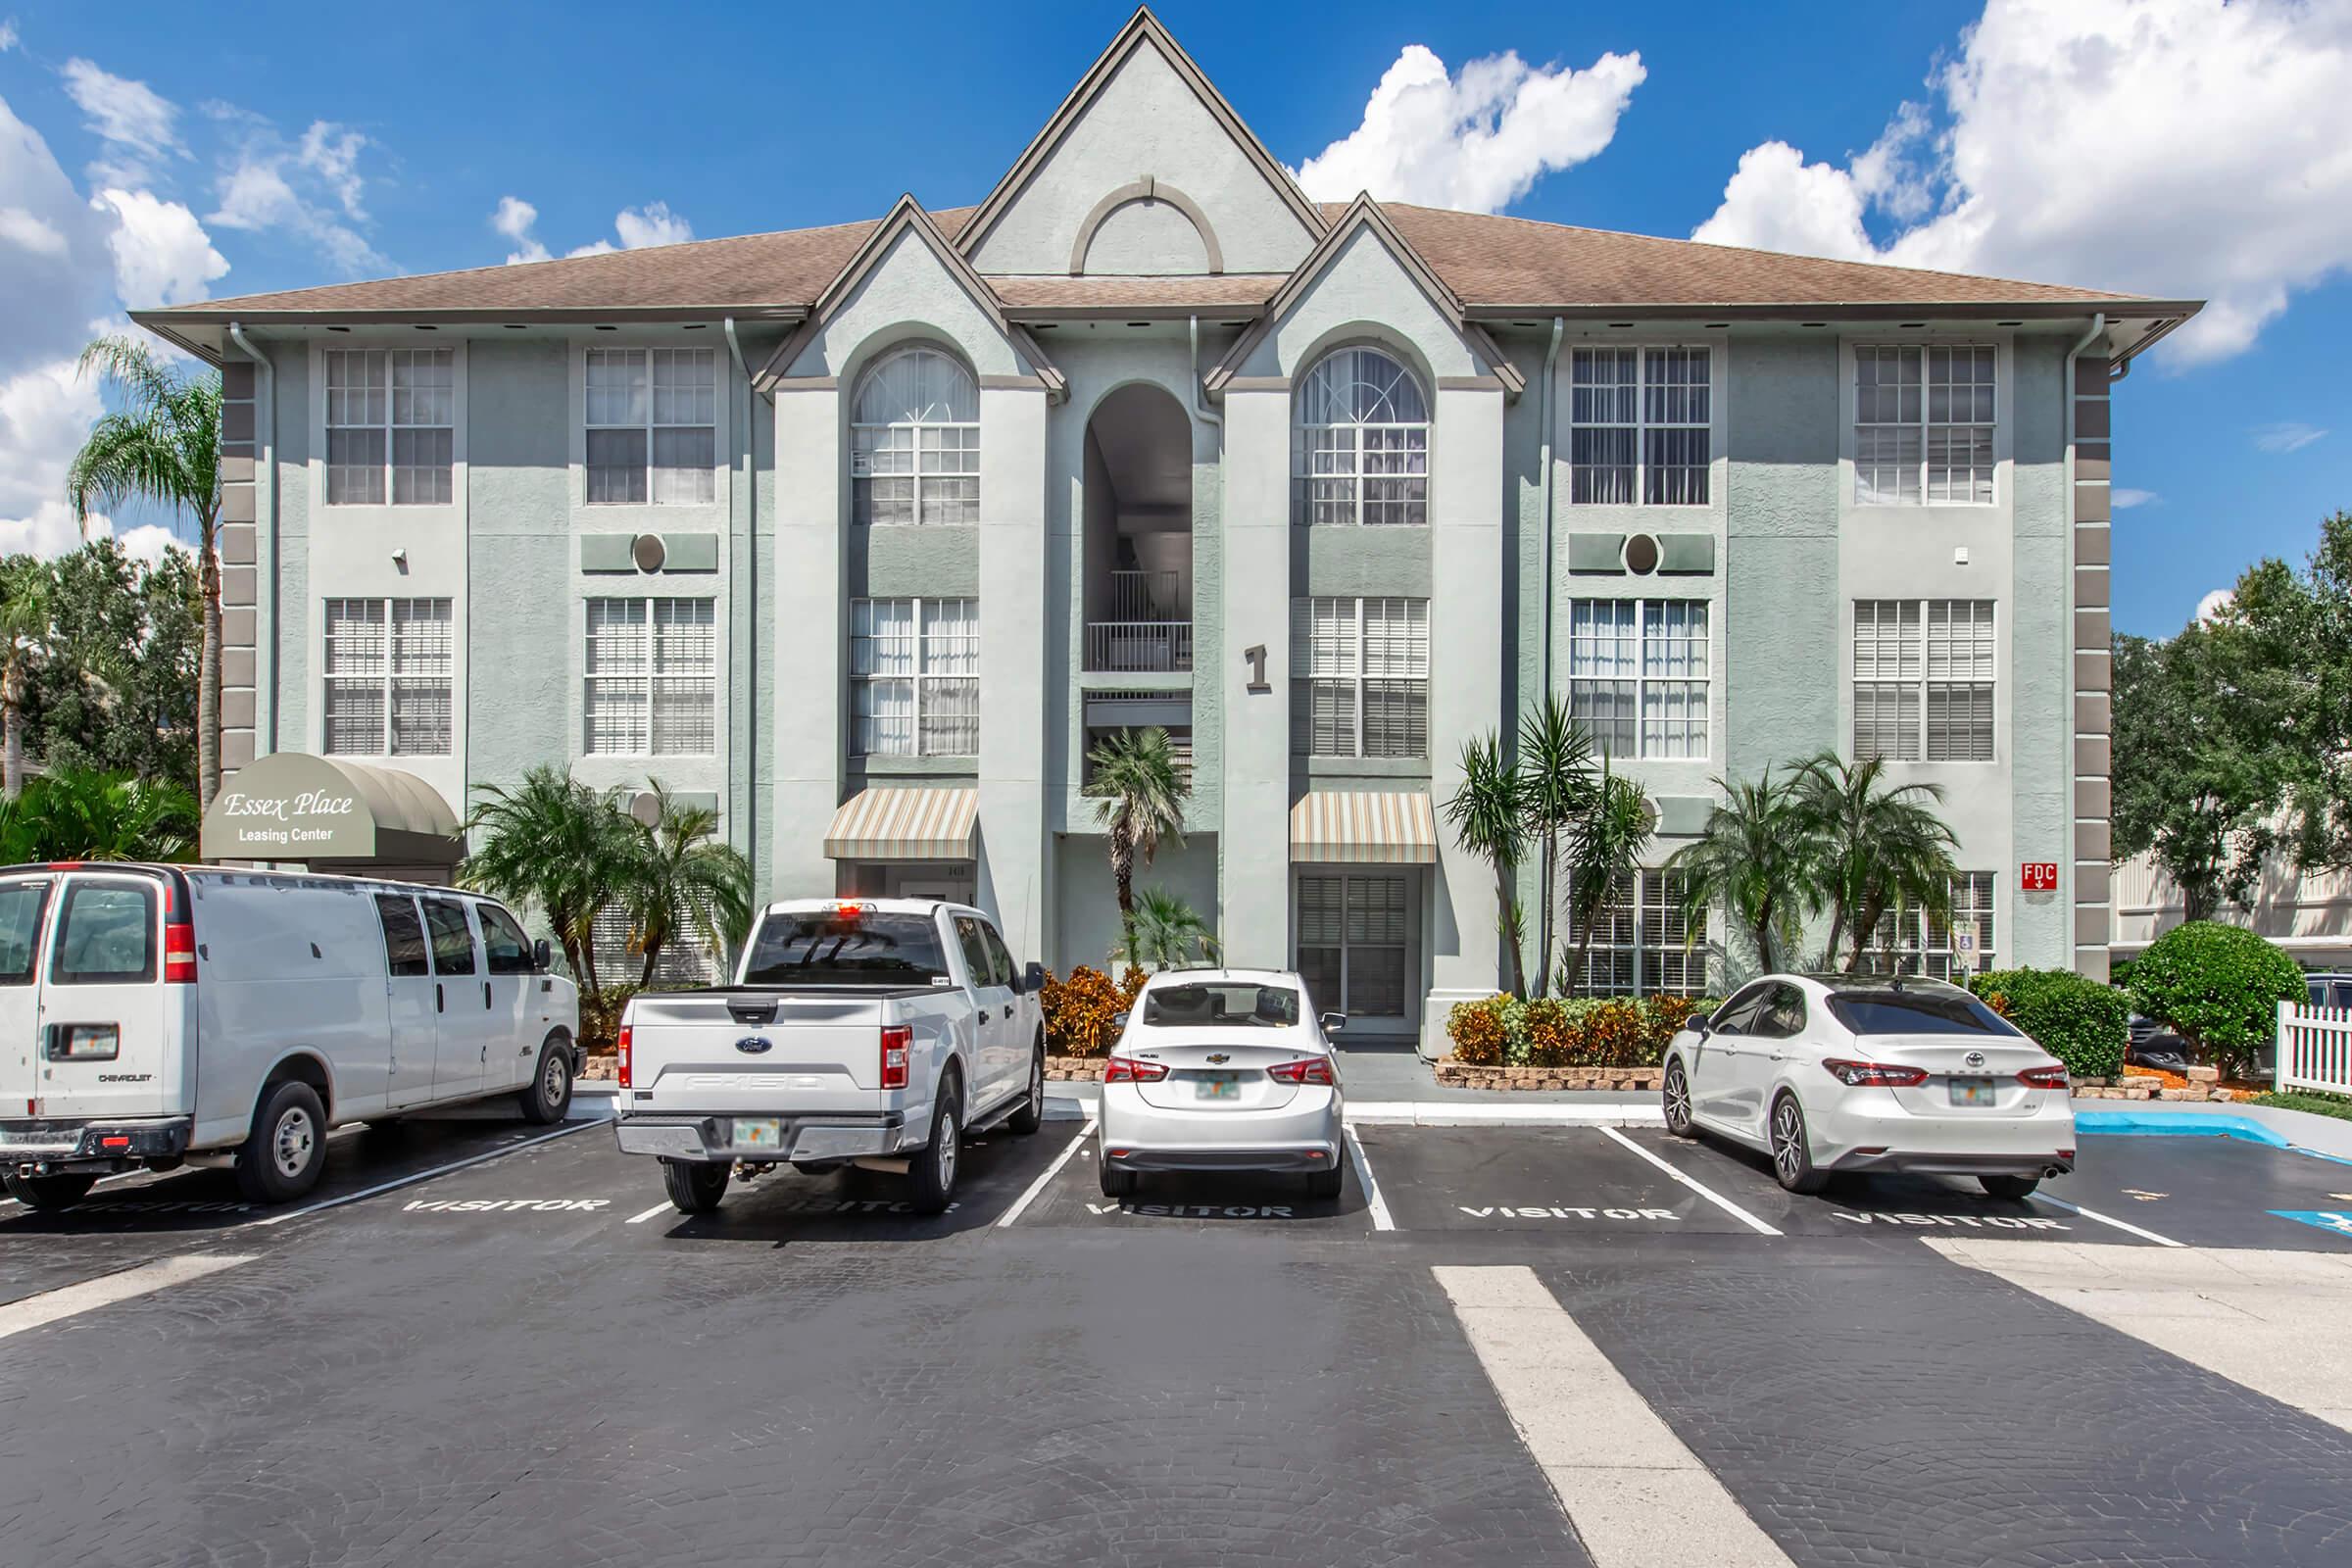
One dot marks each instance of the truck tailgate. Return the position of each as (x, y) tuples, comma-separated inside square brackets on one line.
[(764, 1052)]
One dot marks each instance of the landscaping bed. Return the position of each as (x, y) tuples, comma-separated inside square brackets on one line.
[(1452, 1074)]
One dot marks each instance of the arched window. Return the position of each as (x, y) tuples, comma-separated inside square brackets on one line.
[(1362, 454), (914, 440)]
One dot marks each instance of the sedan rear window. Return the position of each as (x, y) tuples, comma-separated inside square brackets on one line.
[(1247, 1007), (825, 949), (1916, 1012)]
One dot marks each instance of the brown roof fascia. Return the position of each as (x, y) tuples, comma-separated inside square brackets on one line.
[(1842, 311)]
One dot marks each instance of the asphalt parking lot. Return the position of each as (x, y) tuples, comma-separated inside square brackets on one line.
[(1499, 1343)]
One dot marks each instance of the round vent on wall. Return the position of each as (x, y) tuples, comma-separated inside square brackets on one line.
[(646, 550), (646, 807), (1641, 554)]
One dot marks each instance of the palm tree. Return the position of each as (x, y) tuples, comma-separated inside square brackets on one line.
[(1555, 787), (1166, 931), (1486, 815), (1139, 796), (682, 882), (556, 846), (162, 443), (84, 814), (1605, 846), (25, 615), (1757, 857), (1881, 846)]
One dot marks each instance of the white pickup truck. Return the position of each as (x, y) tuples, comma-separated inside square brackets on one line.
[(869, 1032)]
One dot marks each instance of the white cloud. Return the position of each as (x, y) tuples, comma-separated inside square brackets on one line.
[(266, 184), (638, 227), (2288, 435), (147, 542), (642, 228), (45, 411), (1476, 141), (513, 218), (8, 35), (162, 254), (332, 153), (27, 232), (130, 117), (2216, 605), (2177, 148), (2124, 499)]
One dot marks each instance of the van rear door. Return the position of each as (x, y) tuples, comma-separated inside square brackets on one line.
[(105, 1037), (24, 901)]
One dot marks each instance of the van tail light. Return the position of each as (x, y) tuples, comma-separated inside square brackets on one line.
[(1133, 1070), (180, 953), (1875, 1074), (2051, 1077), (898, 1042), (1311, 1070), (627, 1081)]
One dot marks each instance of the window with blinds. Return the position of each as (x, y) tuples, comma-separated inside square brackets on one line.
[(683, 961), (1924, 421), (1638, 674), (651, 673), (1359, 678), (915, 678), (1355, 943), (388, 671), (652, 427), (1924, 679), (1643, 944), (1909, 940), (1638, 426), (391, 427)]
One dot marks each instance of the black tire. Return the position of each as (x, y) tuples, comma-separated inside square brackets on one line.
[(281, 1158), (931, 1174), (1032, 1114), (1677, 1094), (48, 1194), (1792, 1149), (2015, 1188), (1325, 1184), (1117, 1183), (695, 1185), (549, 1098)]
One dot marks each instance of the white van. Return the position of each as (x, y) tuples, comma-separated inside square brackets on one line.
[(155, 1015)]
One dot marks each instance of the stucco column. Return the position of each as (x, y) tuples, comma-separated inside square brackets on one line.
[(1253, 887), (1467, 622), (810, 638), (1015, 575)]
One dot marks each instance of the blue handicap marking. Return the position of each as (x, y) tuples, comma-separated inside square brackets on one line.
[(2340, 1223)]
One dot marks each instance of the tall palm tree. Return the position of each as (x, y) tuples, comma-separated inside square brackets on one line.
[(682, 882), (80, 813), (1604, 846), (1555, 787), (1485, 812), (1167, 931), (25, 615), (162, 444), (554, 844), (1881, 846), (1139, 796), (1758, 856)]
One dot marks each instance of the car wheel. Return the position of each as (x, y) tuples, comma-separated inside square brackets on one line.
[(1678, 1101), (1793, 1151), (1032, 1114), (545, 1103), (695, 1185), (2011, 1187), (1117, 1183), (932, 1174), (1325, 1184), (48, 1194), (282, 1156)]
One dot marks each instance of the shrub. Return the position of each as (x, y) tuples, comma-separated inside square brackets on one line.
[(1079, 1011), (1476, 1030), (2080, 1021), (2219, 987), (1662, 1018), (600, 1016), (1578, 1032), (1549, 1040)]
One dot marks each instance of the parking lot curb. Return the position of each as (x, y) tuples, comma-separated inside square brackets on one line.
[(2274, 1125)]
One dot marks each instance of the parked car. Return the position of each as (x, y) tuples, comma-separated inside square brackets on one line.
[(869, 1032), (1831, 1073), (155, 1015), (1219, 1070)]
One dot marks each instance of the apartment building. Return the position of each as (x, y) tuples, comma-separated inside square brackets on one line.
[(866, 533)]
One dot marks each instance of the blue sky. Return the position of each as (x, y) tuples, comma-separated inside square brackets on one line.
[(2172, 147)]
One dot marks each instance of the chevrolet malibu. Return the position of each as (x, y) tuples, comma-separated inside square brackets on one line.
[(1221, 1070), (1837, 1074)]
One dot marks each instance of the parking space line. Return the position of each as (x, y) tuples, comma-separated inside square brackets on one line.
[(1020, 1204), (424, 1175), (1377, 1205), (2107, 1219), (71, 1300), (663, 1208), (1702, 1190)]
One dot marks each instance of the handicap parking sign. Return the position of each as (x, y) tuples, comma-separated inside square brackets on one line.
[(2338, 1222)]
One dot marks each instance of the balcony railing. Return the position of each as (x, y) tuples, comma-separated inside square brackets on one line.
[(1150, 630), (1148, 596)]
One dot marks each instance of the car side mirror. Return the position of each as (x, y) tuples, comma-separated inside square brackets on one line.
[(542, 957), (1333, 1022), (1033, 979), (1704, 1023), (1118, 1020)]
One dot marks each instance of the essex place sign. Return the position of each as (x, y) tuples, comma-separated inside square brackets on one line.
[(291, 807)]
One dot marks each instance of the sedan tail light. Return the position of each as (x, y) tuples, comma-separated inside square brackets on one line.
[(626, 1081), (898, 1040), (2052, 1077), (1133, 1070), (1876, 1074), (1312, 1070)]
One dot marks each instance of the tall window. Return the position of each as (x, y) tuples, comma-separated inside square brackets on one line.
[(1924, 679), (1359, 678), (1923, 426), (1638, 426), (652, 427), (1355, 943), (1362, 450), (1642, 941), (1915, 940), (914, 440), (1637, 675), (915, 678), (652, 678), (391, 427), (389, 677)]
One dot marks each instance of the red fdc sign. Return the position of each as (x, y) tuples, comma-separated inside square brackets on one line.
[(2039, 876)]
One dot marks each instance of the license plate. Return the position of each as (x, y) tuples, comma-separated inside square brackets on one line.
[(765, 1132), (1217, 1086), (85, 1042), (1973, 1090)]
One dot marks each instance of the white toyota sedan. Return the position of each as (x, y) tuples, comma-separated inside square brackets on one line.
[(1222, 1070), (1833, 1073)]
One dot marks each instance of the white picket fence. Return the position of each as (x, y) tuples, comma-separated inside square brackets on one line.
[(2315, 1049)]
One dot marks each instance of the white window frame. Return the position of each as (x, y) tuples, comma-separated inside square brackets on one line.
[(390, 427), (1702, 716), (1306, 675), (1642, 425), (966, 447), (1398, 442), (1925, 426), (921, 678), (1912, 940), (705, 483), (390, 677), (649, 675), (1918, 690), (1646, 922)]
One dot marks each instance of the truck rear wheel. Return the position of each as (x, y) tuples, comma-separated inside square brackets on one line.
[(48, 1193), (931, 1174), (695, 1185), (281, 1158)]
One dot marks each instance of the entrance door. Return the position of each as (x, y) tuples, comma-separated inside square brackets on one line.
[(460, 1060), (1355, 948), (23, 901), (416, 1028), (102, 1003)]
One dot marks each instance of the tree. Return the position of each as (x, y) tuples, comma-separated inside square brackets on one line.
[(116, 688), (82, 814), (1139, 793), (162, 444), (1555, 785), (1605, 845), (24, 599), (2219, 986), (1881, 846), (1758, 856), (678, 880), (554, 844), (1487, 821), (1166, 931)]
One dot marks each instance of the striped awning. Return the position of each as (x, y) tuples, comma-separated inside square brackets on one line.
[(904, 824), (1367, 828)]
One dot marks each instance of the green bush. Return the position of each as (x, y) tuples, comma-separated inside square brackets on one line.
[(2219, 987), (2080, 1021), (1476, 1030), (1575, 1032)]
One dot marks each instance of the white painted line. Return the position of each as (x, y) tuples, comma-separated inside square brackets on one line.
[(1482, 1114), (1373, 1202), (1020, 1204), (422, 1175), (2107, 1219), (164, 1273), (663, 1208), (1702, 1190), (1617, 1468)]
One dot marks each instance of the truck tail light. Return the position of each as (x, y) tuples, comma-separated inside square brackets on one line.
[(179, 952), (898, 1042), (1311, 1070), (2051, 1077), (626, 1081), (1875, 1074), (1133, 1070)]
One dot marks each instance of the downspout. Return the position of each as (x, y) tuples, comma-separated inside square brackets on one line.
[(1544, 404), (265, 519), (750, 620), (2066, 861)]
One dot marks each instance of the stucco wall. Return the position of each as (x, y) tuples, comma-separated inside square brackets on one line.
[(1087, 914)]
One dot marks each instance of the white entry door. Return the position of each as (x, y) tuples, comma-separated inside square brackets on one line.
[(1356, 946)]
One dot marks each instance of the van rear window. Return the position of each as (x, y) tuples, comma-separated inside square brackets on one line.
[(106, 934), (823, 949), (21, 904)]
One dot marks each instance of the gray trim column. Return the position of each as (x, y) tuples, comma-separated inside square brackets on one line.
[(2094, 917), (238, 544), (812, 635), (1015, 885), (1253, 850)]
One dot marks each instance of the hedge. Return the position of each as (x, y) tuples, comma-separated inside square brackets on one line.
[(2219, 986), (2080, 1021), (1078, 1011), (1575, 1032)]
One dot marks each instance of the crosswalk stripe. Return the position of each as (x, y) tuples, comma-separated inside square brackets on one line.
[(72, 1299)]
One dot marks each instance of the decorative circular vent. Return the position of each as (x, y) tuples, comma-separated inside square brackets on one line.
[(646, 807), (1641, 554), (646, 550)]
